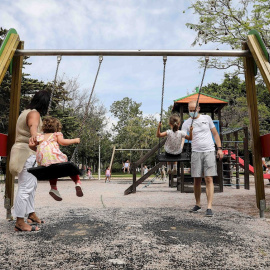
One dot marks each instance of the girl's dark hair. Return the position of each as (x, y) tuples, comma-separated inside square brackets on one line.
[(175, 122), (51, 125), (40, 102)]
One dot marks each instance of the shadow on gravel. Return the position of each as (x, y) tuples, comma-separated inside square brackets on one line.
[(187, 232)]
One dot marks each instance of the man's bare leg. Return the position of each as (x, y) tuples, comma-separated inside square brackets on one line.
[(209, 191), (197, 190)]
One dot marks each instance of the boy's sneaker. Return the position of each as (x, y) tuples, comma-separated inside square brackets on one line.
[(78, 188), (209, 213), (55, 194), (195, 209)]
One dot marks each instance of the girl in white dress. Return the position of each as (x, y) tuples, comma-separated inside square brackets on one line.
[(173, 144)]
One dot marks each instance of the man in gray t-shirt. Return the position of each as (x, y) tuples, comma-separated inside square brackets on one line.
[(203, 158)]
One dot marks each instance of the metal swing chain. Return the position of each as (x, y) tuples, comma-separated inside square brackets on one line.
[(86, 112), (163, 83), (59, 58), (199, 93), (162, 93)]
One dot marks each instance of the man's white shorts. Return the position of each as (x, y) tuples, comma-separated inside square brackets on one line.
[(203, 164)]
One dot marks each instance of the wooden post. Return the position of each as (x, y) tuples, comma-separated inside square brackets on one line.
[(134, 179), (246, 158), (212, 115), (229, 158), (178, 183), (220, 162), (237, 160), (183, 178), (15, 95), (113, 152), (255, 133), (220, 124)]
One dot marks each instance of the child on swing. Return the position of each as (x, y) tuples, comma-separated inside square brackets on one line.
[(48, 152), (173, 144)]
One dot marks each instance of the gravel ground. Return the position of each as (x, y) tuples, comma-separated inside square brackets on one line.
[(151, 229)]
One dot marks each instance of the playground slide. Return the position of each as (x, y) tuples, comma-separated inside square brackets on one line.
[(242, 164), (7, 50)]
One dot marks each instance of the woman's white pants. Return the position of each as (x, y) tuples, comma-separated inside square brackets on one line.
[(27, 185)]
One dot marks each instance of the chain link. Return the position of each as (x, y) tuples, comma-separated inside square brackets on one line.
[(86, 109), (163, 83), (59, 58), (197, 103), (162, 94)]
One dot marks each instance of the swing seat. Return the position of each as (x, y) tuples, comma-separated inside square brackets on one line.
[(55, 171), (174, 158)]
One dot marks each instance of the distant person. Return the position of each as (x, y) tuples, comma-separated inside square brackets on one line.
[(89, 173), (264, 166), (145, 169), (48, 152), (126, 166), (173, 144), (108, 175)]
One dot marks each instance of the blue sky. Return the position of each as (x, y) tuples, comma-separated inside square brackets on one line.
[(112, 24)]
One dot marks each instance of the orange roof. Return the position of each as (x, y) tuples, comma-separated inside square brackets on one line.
[(203, 99)]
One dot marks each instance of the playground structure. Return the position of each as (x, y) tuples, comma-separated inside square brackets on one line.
[(120, 149), (253, 52)]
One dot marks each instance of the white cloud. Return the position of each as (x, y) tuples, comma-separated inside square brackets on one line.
[(111, 24)]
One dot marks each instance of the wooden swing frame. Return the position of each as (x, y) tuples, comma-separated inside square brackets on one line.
[(12, 53)]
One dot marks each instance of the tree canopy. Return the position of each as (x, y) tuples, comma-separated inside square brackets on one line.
[(228, 22)]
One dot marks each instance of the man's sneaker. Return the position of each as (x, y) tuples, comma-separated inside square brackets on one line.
[(195, 209), (55, 194), (174, 171), (209, 213)]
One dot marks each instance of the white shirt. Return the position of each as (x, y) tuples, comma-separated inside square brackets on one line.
[(174, 141), (201, 136)]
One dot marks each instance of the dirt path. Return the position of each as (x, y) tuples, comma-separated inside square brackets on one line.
[(151, 229)]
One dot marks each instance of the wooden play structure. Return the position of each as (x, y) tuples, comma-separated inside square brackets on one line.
[(254, 55)]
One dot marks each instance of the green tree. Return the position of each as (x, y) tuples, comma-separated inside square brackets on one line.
[(235, 114), (228, 22), (125, 110)]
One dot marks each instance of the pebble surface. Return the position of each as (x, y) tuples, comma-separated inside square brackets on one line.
[(152, 229)]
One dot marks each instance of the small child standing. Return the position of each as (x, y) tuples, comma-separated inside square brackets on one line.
[(48, 152), (173, 144), (145, 170), (108, 175)]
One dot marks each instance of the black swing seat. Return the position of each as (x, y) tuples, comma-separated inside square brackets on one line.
[(174, 158), (55, 171)]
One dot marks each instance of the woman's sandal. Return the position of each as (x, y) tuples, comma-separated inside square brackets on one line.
[(33, 229), (35, 222)]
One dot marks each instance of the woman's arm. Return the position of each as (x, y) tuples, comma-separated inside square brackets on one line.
[(32, 121), (66, 142), (160, 134)]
